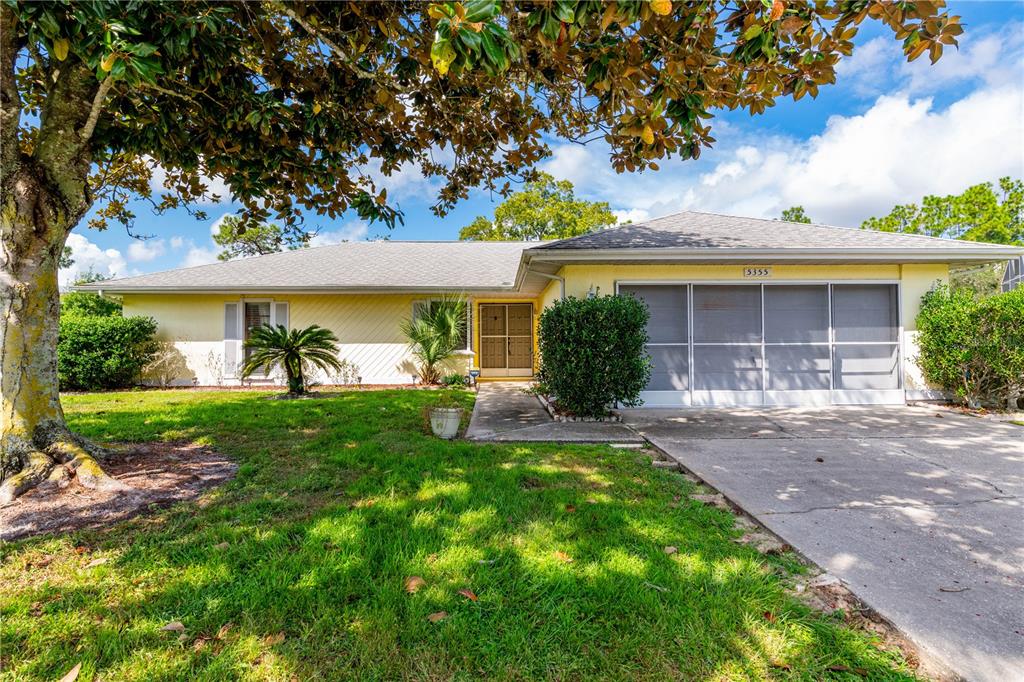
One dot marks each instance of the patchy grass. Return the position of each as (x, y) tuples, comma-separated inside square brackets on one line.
[(297, 568)]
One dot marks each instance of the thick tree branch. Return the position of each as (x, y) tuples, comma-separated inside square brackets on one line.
[(10, 99), (97, 107)]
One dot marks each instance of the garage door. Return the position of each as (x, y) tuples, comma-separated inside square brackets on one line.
[(771, 344)]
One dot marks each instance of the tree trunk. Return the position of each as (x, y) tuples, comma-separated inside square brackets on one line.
[(34, 438), (44, 193)]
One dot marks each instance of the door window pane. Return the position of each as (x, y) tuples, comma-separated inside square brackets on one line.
[(671, 368), (865, 312), (727, 314), (866, 367), (667, 306), (727, 368), (797, 368), (795, 314)]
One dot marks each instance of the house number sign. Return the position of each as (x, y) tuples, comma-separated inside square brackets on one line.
[(757, 272)]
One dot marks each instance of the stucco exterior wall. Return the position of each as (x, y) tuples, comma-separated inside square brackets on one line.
[(368, 327)]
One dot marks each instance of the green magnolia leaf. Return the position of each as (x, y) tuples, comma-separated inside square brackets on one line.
[(752, 32), (442, 54), (481, 10)]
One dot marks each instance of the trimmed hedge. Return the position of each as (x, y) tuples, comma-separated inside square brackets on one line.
[(95, 352), (973, 347), (592, 353)]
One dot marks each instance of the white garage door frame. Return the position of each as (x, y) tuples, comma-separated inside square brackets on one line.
[(765, 396)]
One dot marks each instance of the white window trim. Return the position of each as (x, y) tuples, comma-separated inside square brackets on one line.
[(241, 330), (468, 349)]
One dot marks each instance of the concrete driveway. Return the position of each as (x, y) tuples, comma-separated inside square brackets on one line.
[(918, 511)]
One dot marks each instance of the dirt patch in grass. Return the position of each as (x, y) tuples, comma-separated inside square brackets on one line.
[(159, 474)]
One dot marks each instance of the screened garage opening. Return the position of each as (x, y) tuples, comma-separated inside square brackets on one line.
[(772, 344)]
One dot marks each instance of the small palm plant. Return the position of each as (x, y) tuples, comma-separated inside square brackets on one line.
[(435, 333), (272, 346)]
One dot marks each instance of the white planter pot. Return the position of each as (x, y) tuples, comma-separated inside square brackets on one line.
[(445, 421)]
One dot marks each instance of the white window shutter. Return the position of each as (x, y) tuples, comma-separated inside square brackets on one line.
[(281, 315), (469, 325), (232, 339)]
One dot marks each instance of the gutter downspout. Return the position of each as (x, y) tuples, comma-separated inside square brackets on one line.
[(559, 279)]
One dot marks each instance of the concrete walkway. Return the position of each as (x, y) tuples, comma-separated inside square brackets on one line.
[(919, 512), (505, 412)]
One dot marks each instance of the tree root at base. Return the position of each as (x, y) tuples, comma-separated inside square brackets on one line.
[(63, 458)]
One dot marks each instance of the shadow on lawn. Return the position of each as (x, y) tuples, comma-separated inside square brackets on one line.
[(339, 500)]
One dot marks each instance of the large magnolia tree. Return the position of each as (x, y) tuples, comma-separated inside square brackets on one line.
[(301, 107)]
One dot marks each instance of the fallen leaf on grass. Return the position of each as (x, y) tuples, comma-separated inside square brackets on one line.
[(81, 549), (468, 594), (41, 562), (224, 630), (670, 550), (563, 557), (570, 508), (200, 643), (439, 616), (769, 616), (273, 640), (591, 500), (414, 583), (97, 562), (781, 665), (222, 546), (72, 674), (174, 626)]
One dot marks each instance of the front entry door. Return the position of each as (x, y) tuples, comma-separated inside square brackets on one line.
[(506, 339)]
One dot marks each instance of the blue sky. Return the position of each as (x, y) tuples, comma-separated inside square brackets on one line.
[(888, 132)]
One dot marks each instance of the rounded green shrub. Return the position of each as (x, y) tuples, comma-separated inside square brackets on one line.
[(973, 347), (593, 353), (95, 352)]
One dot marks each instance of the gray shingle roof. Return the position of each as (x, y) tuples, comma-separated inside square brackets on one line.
[(692, 230), (382, 265)]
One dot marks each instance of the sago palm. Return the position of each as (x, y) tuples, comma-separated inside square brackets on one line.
[(435, 333), (292, 350)]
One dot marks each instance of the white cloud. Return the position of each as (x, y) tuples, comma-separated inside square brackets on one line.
[(199, 255), (632, 215), (147, 250), (898, 150), (349, 232), (88, 257), (988, 58)]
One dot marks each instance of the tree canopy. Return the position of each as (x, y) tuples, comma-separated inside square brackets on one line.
[(979, 214), (240, 241), (795, 214), (304, 106), (544, 209)]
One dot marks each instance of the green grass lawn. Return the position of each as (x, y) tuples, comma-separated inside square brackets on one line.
[(303, 558)]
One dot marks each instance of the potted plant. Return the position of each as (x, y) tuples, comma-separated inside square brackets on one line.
[(445, 416)]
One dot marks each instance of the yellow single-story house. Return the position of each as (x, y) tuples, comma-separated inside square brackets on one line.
[(743, 311)]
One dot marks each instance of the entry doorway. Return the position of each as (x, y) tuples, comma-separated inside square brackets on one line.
[(506, 339)]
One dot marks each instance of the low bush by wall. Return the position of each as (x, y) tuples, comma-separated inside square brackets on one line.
[(592, 353), (95, 352), (973, 347)]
